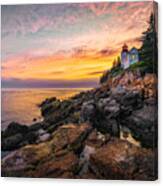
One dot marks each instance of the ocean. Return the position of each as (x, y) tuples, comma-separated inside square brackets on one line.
[(21, 105)]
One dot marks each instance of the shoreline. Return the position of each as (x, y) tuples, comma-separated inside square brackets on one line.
[(47, 88), (20, 103), (97, 123)]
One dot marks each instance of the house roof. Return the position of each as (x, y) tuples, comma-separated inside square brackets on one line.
[(133, 48)]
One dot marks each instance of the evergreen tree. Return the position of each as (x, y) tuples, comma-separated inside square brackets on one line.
[(118, 61), (149, 49), (114, 63)]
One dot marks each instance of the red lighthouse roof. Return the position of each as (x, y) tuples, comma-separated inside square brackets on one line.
[(125, 47)]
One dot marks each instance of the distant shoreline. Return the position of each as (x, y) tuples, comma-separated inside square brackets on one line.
[(63, 88)]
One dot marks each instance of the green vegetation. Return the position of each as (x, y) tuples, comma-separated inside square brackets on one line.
[(111, 73), (116, 71), (142, 66), (137, 65)]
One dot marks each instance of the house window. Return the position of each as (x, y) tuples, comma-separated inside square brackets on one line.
[(133, 57)]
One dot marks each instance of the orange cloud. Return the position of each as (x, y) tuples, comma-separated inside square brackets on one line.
[(75, 67)]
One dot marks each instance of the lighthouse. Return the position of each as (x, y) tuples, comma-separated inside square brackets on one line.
[(125, 57)]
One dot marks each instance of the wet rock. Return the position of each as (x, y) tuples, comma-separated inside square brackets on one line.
[(151, 101), (67, 111), (58, 167), (97, 139), (125, 134), (103, 94), (19, 162), (74, 118), (88, 111), (43, 137), (49, 106), (4, 153), (118, 92), (101, 115), (84, 160), (102, 103), (121, 160), (106, 125), (132, 98), (47, 101), (36, 126), (16, 136), (115, 128), (87, 151), (12, 142), (70, 136), (100, 156), (55, 117), (41, 132), (31, 137), (143, 125), (57, 155), (50, 128), (67, 149), (111, 109), (14, 128)]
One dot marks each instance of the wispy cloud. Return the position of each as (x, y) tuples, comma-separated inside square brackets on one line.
[(72, 41)]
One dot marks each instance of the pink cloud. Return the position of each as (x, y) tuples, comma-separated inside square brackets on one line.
[(71, 19), (97, 8), (40, 23)]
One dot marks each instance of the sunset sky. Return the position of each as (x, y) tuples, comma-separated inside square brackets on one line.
[(67, 45)]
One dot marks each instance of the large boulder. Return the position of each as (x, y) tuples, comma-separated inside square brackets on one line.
[(14, 128), (47, 101), (49, 106), (56, 157), (62, 166), (70, 136), (118, 92), (59, 112), (109, 107), (13, 136), (97, 139), (18, 162), (143, 125), (36, 126), (17, 135), (77, 151), (120, 159), (42, 136), (12, 142), (102, 115), (132, 99), (88, 111)]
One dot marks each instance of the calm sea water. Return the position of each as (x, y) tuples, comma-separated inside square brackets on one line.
[(20, 105)]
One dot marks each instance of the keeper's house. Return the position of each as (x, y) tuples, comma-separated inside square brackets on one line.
[(129, 57)]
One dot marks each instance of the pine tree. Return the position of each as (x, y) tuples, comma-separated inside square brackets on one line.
[(114, 63), (149, 49), (118, 61)]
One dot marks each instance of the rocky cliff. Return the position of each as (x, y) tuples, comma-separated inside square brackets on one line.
[(105, 133)]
